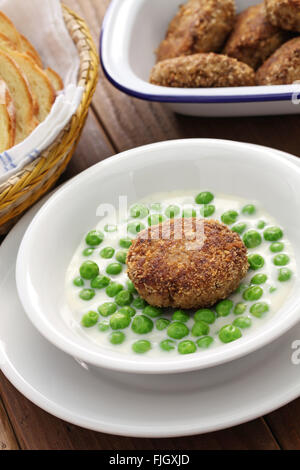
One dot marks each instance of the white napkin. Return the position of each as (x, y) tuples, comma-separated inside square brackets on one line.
[(41, 21)]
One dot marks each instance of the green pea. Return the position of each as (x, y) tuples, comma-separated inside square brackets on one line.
[(167, 345), (90, 319), (180, 316), (200, 328), (208, 210), (272, 289), (242, 322), (128, 311), (249, 209), (252, 239), (204, 198), (276, 247), (117, 337), (87, 294), (189, 212), (130, 287), (187, 347), (103, 326), (259, 279), (229, 217), (206, 315), (142, 346), (156, 207), (110, 228), (155, 219), (139, 303), (253, 293), (172, 212), (259, 309), (256, 261), (240, 308), (94, 238), (281, 260), (78, 282), (224, 307), (204, 342), (142, 325), (123, 298), (114, 269), (139, 211), (119, 321), (239, 228), (89, 270), (152, 311), (284, 274), (100, 282), (177, 330), (113, 289), (261, 224), (88, 251), (135, 227), (125, 242), (107, 252), (162, 324), (229, 333), (272, 234), (107, 309), (121, 256)]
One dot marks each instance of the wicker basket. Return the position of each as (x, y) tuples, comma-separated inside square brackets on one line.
[(23, 189)]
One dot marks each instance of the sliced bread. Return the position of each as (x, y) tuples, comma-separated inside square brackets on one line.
[(30, 50), (7, 118), (39, 84), (8, 29), (21, 95), (55, 79)]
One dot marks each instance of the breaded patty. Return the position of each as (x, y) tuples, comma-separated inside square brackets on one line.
[(199, 26), (283, 67), (254, 39), (202, 71), (187, 263), (284, 13)]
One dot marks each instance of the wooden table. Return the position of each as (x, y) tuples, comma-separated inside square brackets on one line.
[(116, 123)]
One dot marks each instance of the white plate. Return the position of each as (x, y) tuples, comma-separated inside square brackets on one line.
[(130, 405), (131, 32)]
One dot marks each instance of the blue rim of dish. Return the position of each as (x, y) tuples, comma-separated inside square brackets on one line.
[(187, 99)]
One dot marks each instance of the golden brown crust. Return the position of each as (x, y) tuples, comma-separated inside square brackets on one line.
[(202, 71), (254, 39), (283, 67), (199, 26), (284, 13), (196, 269)]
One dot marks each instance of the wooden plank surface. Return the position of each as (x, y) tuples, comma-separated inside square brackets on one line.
[(118, 122), (7, 436)]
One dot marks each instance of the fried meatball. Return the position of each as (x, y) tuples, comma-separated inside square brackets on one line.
[(283, 67), (187, 263), (284, 13), (254, 39), (202, 71), (199, 26)]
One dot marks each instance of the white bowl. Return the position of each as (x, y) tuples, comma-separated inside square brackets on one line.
[(251, 172), (130, 34)]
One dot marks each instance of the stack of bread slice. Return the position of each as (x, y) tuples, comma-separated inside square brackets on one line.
[(27, 90)]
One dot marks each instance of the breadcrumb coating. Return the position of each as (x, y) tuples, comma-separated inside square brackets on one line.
[(199, 26), (202, 71), (284, 13), (187, 271), (253, 38), (283, 67)]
